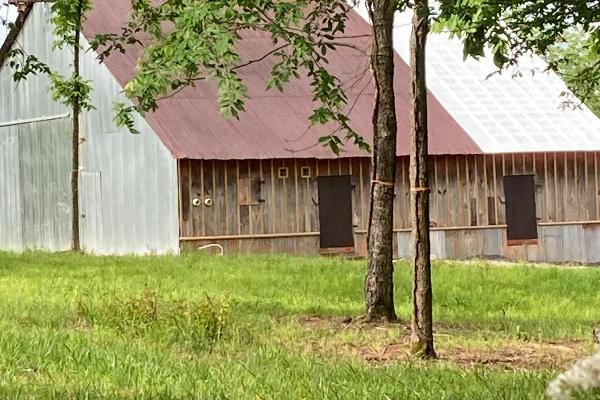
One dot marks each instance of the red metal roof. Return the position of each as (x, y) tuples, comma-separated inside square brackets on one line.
[(275, 124)]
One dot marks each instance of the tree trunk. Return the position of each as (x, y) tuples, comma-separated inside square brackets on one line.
[(422, 324), (75, 243), (379, 284)]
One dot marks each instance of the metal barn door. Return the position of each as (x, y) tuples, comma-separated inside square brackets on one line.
[(91, 211), (335, 213)]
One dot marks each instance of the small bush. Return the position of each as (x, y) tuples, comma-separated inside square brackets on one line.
[(198, 323)]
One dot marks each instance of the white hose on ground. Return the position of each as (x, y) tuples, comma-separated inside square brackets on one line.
[(208, 246)]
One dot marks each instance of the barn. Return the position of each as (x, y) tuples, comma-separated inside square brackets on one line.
[(515, 174)]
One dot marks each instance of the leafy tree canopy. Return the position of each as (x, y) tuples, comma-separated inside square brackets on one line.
[(575, 56), (192, 40), (514, 27), (67, 19)]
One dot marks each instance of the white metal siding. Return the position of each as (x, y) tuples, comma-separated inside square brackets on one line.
[(45, 165), (521, 110), (133, 197), (138, 202), (34, 182), (91, 210), (10, 199)]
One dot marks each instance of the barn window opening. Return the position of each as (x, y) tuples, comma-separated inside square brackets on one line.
[(521, 218), (305, 172), (283, 172)]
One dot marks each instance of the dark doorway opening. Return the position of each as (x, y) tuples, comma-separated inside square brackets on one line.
[(335, 214), (521, 219)]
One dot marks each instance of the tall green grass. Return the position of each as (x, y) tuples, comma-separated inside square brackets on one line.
[(83, 327)]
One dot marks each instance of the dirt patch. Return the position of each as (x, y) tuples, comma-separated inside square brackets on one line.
[(520, 355), (357, 323), (389, 343)]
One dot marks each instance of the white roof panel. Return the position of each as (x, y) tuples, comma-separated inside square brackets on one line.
[(520, 110)]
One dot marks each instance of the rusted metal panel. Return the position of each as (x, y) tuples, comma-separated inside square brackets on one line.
[(275, 124)]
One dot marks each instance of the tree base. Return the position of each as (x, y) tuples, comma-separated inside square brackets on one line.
[(422, 349), (380, 314), (379, 320)]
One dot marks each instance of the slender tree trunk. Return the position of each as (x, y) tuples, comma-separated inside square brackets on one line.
[(379, 284), (422, 324), (75, 243)]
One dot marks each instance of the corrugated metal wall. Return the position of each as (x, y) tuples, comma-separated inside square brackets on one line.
[(45, 163), (128, 182), (35, 210), (11, 237), (34, 156), (131, 200)]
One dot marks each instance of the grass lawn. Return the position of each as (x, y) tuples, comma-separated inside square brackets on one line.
[(193, 327)]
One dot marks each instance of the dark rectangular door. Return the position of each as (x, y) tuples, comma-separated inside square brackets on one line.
[(335, 211), (521, 219)]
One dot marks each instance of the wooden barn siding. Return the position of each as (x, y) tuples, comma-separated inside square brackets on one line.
[(557, 243), (256, 211)]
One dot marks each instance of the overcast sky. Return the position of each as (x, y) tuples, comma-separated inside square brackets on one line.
[(7, 14)]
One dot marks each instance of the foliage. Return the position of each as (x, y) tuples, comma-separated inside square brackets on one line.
[(67, 330), (201, 43), (198, 323), (124, 116), (68, 17), (66, 21), (74, 90), (513, 27), (574, 57), (24, 65)]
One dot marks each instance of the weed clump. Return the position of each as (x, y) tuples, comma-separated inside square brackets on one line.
[(198, 323)]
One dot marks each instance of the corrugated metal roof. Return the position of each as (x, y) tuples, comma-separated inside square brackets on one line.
[(275, 125), (503, 113)]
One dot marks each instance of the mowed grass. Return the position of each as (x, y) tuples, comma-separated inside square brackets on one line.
[(200, 327)]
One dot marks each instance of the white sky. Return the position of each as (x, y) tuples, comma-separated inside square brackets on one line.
[(7, 14)]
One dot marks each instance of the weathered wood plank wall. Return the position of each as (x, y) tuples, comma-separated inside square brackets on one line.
[(271, 205)]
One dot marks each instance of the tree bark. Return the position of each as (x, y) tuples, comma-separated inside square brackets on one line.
[(422, 319), (379, 284), (75, 242)]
